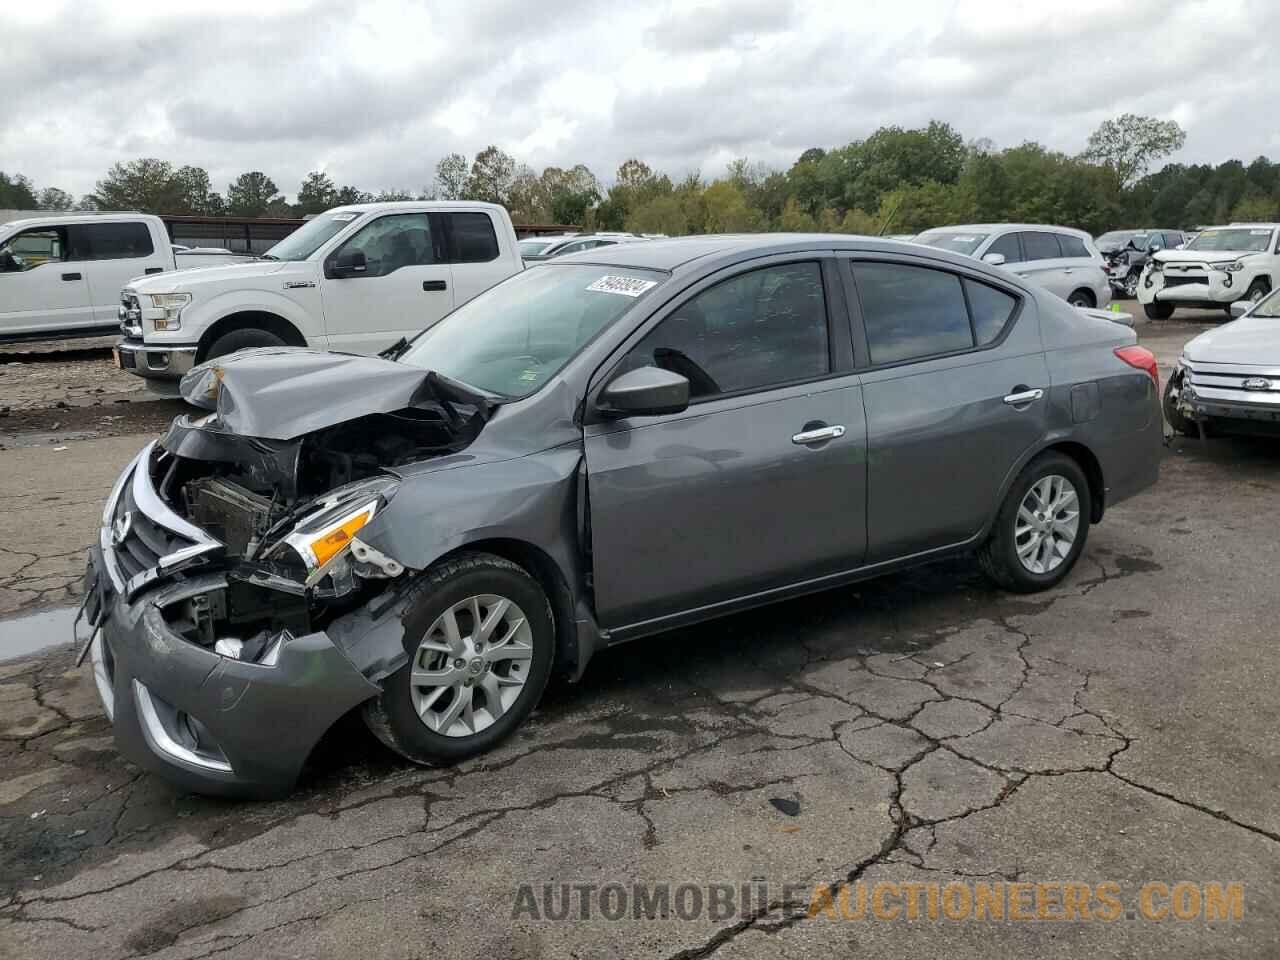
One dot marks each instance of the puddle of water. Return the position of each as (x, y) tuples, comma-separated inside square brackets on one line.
[(23, 636)]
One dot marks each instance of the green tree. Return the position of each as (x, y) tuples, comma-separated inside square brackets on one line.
[(317, 193), (1129, 144), (451, 177), (149, 185), (727, 210), (250, 194), (51, 198), (16, 192), (492, 176), (196, 194)]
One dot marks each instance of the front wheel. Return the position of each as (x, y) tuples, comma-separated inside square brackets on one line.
[(243, 339), (1155, 310), (1082, 298), (480, 641), (1042, 526), (1257, 290)]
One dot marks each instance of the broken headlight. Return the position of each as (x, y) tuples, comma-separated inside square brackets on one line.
[(326, 533)]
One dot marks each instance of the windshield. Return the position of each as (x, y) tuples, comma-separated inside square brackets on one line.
[(964, 243), (529, 248), (312, 235), (1119, 239), (516, 336), (1256, 239)]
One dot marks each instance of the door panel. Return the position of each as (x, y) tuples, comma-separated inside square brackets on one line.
[(719, 502), (404, 289), (113, 253), (40, 288)]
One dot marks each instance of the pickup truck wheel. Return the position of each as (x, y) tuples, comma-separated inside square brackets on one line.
[(1157, 310), (1042, 526), (480, 640), (238, 340), (1171, 413)]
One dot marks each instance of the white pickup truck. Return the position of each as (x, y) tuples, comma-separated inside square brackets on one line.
[(61, 275), (1221, 265), (356, 278)]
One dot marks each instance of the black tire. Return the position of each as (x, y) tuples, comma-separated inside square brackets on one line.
[(392, 717), (998, 557), (245, 339), (1257, 290), (1082, 298), (1176, 420), (1157, 310)]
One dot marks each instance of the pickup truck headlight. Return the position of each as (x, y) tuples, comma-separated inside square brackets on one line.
[(171, 304)]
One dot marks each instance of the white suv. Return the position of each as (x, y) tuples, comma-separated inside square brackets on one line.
[(1063, 260), (1240, 261)]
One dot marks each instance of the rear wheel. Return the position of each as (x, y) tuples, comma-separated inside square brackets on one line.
[(1042, 526), (1171, 412), (1082, 298), (1157, 311), (480, 642), (238, 340)]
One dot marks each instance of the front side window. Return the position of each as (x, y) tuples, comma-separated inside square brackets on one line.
[(31, 248), (1040, 246), (111, 241), (756, 330), (389, 243), (1072, 248), (312, 235), (518, 334), (473, 238), (1007, 247)]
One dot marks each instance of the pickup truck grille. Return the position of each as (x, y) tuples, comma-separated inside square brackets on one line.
[(130, 314), (143, 540)]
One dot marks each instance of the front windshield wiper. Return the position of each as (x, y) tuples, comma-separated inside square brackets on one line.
[(267, 256), (396, 350)]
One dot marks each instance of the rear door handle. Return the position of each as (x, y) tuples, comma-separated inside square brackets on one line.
[(1024, 396), (71, 276), (433, 285), (819, 434)]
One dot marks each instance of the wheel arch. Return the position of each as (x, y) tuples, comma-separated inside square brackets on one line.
[(1087, 292), (249, 320), (1084, 457)]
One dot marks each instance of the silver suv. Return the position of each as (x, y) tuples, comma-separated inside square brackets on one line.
[(1062, 260)]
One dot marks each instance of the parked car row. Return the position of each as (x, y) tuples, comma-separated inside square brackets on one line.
[(609, 445)]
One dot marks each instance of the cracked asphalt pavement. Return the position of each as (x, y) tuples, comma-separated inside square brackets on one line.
[(919, 728)]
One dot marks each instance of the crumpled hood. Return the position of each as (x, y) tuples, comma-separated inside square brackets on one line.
[(1249, 341), (279, 393), (222, 274)]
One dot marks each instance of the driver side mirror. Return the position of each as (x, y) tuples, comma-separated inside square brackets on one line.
[(645, 392), (350, 263), (995, 259)]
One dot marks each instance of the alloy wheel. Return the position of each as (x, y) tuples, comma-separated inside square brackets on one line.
[(471, 666), (1047, 523), (1131, 285)]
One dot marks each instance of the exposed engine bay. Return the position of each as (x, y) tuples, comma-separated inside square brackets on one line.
[(287, 511)]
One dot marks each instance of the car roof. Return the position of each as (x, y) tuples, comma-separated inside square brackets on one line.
[(71, 216), (992, 227), (684, 252)]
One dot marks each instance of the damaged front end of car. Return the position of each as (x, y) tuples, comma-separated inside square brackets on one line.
[(233, 604)]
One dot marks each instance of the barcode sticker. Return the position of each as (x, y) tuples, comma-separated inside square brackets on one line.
[(625, 286)]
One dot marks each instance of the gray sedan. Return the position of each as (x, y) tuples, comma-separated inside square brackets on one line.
[(621, 442)]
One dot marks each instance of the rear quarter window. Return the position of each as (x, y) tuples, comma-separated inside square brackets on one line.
[(1073, 247), (112, 241)]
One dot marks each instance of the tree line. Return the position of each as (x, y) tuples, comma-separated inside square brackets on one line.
[(894, 181)]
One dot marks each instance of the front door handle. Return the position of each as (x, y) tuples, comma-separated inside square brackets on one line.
[(819, 434), (1023, 396), (71, 276), (434, 285)]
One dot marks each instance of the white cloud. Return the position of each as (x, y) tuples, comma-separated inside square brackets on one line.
[(376, 92)]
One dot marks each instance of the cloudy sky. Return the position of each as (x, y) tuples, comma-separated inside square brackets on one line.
[(375, 91)]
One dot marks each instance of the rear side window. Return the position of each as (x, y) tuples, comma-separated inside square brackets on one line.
[(473, 238), (111, 241), (990, 309), (756, 330), (1041, 246), (1007, 247), (911, 312), (1073, 247)]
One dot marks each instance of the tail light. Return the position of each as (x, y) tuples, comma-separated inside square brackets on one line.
[(1142, 359)]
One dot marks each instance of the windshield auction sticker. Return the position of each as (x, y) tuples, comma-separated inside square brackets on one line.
[(626, 286)]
